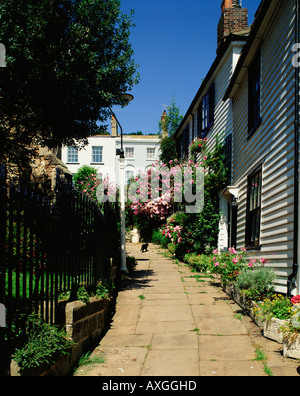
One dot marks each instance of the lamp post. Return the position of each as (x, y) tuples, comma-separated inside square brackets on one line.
[(127, 98)]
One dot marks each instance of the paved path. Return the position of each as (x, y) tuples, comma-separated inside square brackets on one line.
[(169, 321)]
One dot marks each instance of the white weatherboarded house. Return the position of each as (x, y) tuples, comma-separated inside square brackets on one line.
[(208, 115), (253, 94), (265, 141)]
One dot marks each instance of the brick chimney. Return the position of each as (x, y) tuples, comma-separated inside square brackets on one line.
[(114, 127), (163, 124), (233, 19)]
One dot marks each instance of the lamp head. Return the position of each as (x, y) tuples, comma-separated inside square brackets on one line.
[(126, 98)]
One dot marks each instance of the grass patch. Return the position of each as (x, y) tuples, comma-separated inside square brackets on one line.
[(88, 360), (238, 316), (262, 357), (196, 330)]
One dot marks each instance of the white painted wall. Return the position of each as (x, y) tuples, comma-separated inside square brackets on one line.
[(272, 145), (223, 120), (110, 164)]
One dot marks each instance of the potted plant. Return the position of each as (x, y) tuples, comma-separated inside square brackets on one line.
[(275, 312), (229, 265), (253, 284), (291, 332), (197, 146)]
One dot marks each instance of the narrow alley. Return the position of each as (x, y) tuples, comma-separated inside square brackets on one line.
[(170, 321)]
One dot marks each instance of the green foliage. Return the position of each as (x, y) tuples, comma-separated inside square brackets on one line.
[(104, 288), (203, 228), (82, 175), (201, 263), (159, 239), (172, 120), (295, 319), (85, 180), (145, 224), (83, 295), (275, 306), (88, 359), (230, 264), (66, 62), (168, 150), (170, 123), (172, 248), (257, 282), (197, 232), (44, 345)]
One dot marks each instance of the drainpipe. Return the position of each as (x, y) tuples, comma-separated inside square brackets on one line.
[(296, 180)]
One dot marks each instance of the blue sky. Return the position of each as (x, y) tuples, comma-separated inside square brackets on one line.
[(174, 43)]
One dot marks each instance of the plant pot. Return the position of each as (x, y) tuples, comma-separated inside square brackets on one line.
[(291, 348), (251, 312), (272, 329), (227, 286), (196, 150), (240, 298)]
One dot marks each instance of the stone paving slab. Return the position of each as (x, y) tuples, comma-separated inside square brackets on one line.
[(119, 362), (171, 363), (170, 321), (229, 369), (165, 327)]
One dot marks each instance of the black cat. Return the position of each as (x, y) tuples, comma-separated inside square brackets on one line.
[(144, 247)]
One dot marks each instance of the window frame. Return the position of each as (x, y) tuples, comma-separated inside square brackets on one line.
[(94, 155), (206, 112), (253, 213), (74, 154), (126, 152), (185, 141), (254, 94), (131, 172), (152, 153)]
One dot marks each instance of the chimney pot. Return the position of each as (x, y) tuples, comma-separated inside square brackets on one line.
[(164, 127), (233, 19), (114, 127)]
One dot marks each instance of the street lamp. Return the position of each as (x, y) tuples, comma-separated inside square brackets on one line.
[(127, 98)]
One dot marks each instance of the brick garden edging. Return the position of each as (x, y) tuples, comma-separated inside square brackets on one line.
[(270, 328), (85, 323)]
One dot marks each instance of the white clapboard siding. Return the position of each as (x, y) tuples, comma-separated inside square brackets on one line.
[(223, 116), (272, 145), (223, 113)]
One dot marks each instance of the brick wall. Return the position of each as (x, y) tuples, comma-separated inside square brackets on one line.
[(232, 20)]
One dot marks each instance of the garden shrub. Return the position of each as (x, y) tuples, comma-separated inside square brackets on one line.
[(171, 248), (44, 345), (275, 306), (257, 282), (159, 239), (230, 264), (201, 263)]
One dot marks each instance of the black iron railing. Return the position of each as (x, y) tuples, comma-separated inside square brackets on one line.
[(50, 247)]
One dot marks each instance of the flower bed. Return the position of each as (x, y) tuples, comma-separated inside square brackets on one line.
[(251, 285), (277, 315), (291, 348), (272, 329), (291, 331), (197, 146)]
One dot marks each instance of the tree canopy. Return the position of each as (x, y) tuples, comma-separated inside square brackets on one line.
[(66, 62), (172, 120), (170, 123)]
